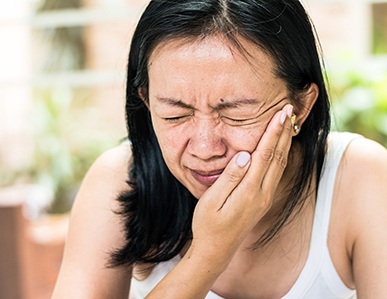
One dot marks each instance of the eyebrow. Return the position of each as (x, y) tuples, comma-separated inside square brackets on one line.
[(235, 103), (175, 102), (221, 106)]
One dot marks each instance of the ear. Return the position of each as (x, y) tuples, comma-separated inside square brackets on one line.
[(143, 94), (303, 105)]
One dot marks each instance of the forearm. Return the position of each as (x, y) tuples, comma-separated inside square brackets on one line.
[(193, 276)]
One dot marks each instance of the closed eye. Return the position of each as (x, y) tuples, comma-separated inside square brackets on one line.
[(176, 118), (239, 121)]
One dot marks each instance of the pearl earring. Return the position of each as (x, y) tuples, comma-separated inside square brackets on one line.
[(296, 127)]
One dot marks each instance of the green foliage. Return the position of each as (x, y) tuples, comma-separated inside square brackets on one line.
[(379, 32), (63, 147), (360, 103)]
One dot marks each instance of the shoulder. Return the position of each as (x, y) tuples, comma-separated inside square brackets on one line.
[(363, 168), (364, 172), (360, 187), (103, 183), (96, 202), (361, 156), (95, 231), (365, 163), (363, 177), (113, 161), (107, 177), (365, 149)]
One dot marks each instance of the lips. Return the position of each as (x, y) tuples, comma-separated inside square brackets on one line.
[(206, 178)]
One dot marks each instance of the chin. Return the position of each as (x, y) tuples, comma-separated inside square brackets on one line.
[(197, 192)]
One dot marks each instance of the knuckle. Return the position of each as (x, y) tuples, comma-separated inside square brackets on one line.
[(263, 204), (266, 203), (234, 176), (281, 158), (267, 155)]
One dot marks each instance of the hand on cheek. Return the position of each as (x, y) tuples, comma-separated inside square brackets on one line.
[(244, 192)]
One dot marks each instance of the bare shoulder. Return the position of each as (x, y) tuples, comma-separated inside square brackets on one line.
[(105, 180), (365, 164), (113, 161), (95, 231), (363, 169), (363, 179), (366, 150)]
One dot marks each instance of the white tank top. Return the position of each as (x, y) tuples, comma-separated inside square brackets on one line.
[(318, 279)]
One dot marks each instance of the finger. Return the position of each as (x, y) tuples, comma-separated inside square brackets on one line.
[(281, 153), (264, 154), (229, 179)]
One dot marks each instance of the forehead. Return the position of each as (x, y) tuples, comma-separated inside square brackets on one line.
[(215, 48), (212, 68)]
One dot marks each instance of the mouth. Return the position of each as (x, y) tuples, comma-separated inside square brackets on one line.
[(206, 178)]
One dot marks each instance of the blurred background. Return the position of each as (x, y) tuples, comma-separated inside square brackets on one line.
[(62, 77)]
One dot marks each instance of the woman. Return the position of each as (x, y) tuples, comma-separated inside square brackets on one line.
[(235, 187)]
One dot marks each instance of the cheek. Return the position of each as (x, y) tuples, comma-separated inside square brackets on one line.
[(171, 144), (245, 139)]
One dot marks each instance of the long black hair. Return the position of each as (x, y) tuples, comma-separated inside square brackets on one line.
[(157, 212)]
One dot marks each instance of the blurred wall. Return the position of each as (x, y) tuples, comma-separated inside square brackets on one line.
[(95, 113), (15, 91)]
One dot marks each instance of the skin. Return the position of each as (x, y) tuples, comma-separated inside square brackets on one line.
[(193, 91), (208, 102)]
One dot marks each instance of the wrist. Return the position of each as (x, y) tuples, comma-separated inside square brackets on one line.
[(213, 259)]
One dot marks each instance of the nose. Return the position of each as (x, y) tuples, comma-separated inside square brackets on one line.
[(206, 141)]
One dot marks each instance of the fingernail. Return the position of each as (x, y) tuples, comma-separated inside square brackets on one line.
[(289, 110), (283, 117), (242, 159)]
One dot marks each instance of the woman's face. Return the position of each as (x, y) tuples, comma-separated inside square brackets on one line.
[(208, 101)]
